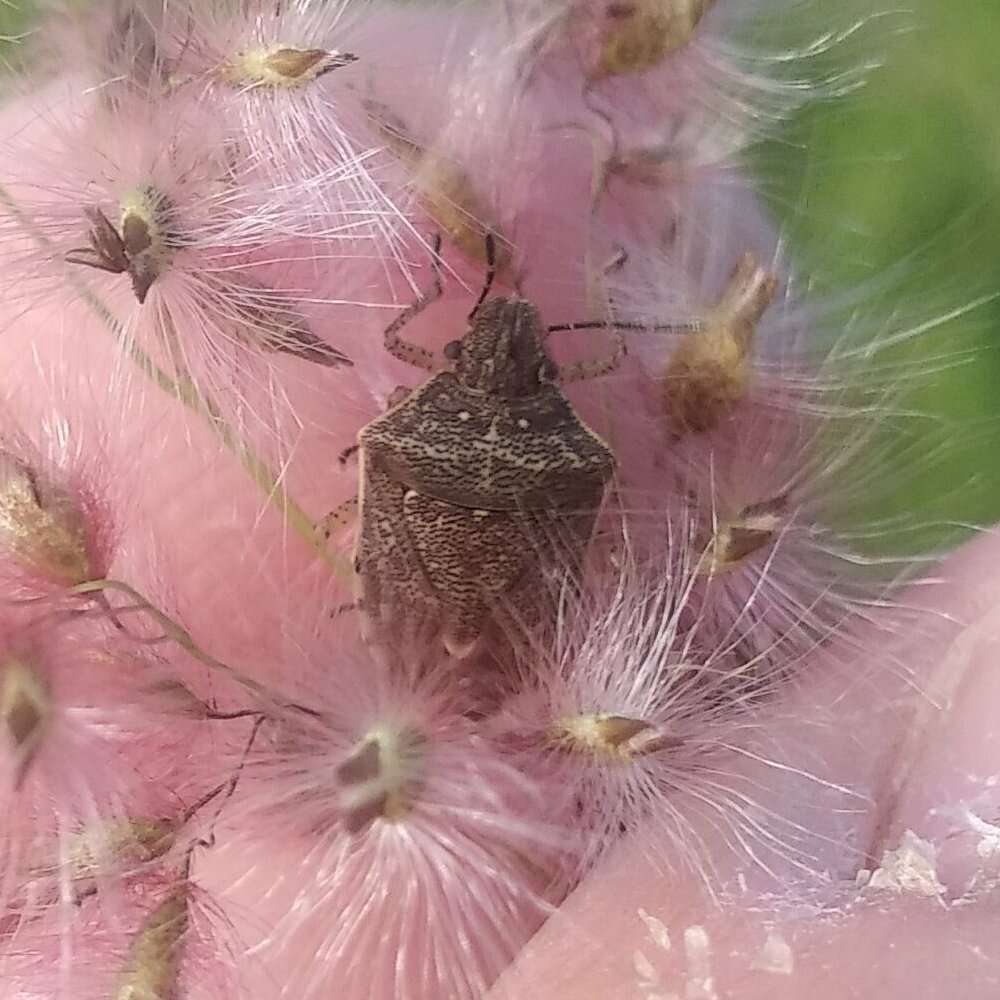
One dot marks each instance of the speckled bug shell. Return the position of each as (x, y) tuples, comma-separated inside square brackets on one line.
[(475, 483)]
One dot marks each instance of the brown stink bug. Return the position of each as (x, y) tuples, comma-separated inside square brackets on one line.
[(481, 479)]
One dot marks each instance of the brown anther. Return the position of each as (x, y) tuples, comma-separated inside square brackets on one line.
[(135, 233), (607, 737), (306, 64), (41, 526), (709, 372), (380, 779), (362, 765), (640, 34), (25, 705), (282, 67), (754, 528), (616, 730), (450, 198), (152, 968), (144, 224)]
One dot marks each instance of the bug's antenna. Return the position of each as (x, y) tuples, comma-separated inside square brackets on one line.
[(491, 272)]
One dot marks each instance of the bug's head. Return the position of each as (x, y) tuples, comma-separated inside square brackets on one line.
[(503, 352)]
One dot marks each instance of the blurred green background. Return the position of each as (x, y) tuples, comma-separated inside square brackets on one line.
[(890, 196)]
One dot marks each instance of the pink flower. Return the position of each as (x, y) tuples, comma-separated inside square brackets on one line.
[(400, 828)]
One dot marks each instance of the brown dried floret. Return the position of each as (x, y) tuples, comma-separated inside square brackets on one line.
[(446, 191), (282, 67), (140, 247), (710, 371), (607, 737), (752, 529), (265, 320), (636, 35), (25, 705), (42, 526), (119, 843), (153, 965)]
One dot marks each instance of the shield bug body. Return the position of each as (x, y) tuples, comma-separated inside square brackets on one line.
[(480, 481)]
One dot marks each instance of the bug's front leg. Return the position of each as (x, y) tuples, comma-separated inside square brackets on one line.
[(348, 453), (414, 354)]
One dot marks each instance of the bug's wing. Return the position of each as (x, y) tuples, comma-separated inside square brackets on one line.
[(387, 564), (484, 563), (470, 557), (487, 453)]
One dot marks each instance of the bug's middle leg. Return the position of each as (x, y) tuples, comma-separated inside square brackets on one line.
[(340, 516)]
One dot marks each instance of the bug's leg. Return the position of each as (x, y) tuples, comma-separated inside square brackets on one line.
[(413, 354), (348, 453), (491, 272), (343, 609), (397, 396), (582, 370), (617, 262), (338, 517)]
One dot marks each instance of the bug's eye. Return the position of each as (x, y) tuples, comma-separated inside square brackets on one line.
[(453, 350)]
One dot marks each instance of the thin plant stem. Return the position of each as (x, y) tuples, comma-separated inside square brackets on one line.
[(185, 390), (172, 630)]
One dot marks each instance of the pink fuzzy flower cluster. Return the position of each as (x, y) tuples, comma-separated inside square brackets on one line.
[(235, 760)]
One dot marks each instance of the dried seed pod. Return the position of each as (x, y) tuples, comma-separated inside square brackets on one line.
[(42, 526), (446, 192), (636, 35), (142, 244), (607, 737), (710, 371), (152, 968), (282, 67), (25, 706), (381, 777), (752, 529), (267, 321)]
